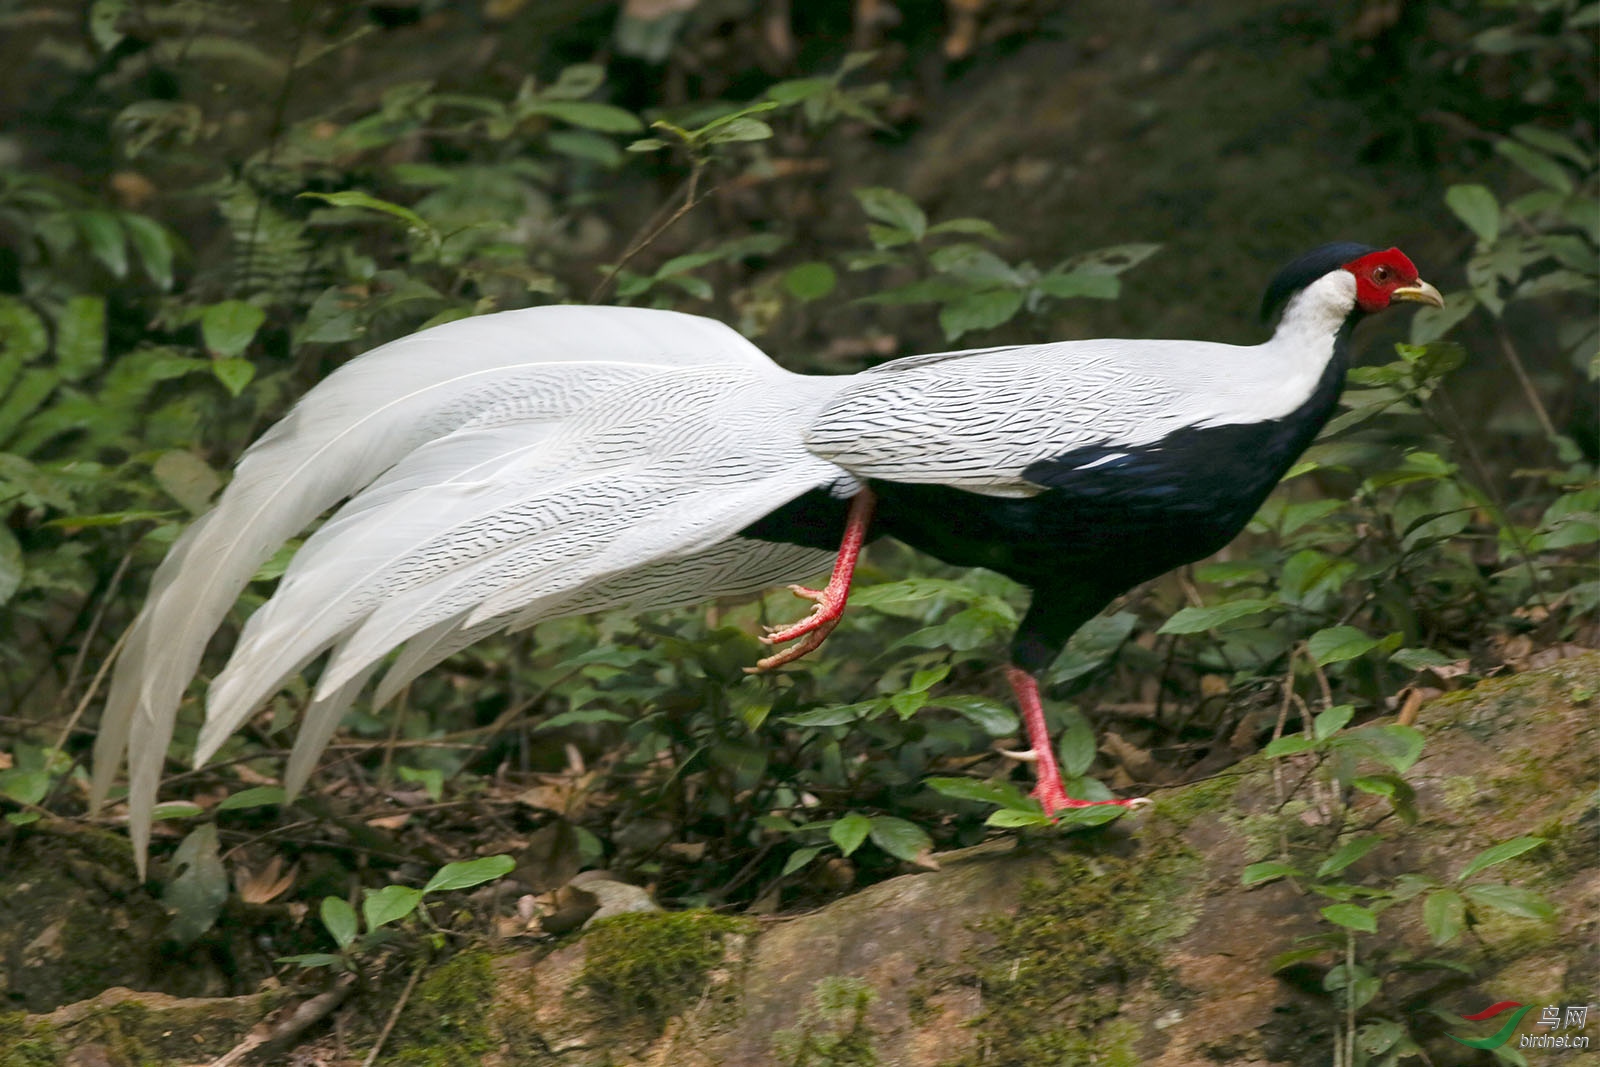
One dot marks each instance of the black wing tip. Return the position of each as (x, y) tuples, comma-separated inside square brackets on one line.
[(1301, 272)]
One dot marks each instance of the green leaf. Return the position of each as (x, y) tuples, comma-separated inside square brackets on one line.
[(339, 919), (849, 832), (389, 904), (990, 715), (257, 797), (1267, 871), (1352, 917), (1339, 643), (24, 786), (1395, 745), (591, 116), (810, 281), (975, 264), (11, 565), (430, 778), (740, 129), (154, 247), (81, 337), (229, 327), (979, 311), (186, 479), (198, 890), (1291, 745), (1537, 165), (1499, 854), (1331, 721), (1004, 794), (894, 208), (312, 959), (799, 858), (23, 336), (1417, 659), (357, 199), (1476, 206), (1076, 746), (901, 839), (1348, 853), (577, 716), (1445, 915), (469, 873), (1011, 818), (176, 809), (106, 240), (1522, 903), (234, 374), (576, 82), (1080, 283), (840, 715), (1198, 620)]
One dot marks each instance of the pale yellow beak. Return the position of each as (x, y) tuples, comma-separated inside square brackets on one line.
[(1421, 293)]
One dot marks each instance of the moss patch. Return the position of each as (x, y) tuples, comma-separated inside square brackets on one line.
[(446, 1022), (24, 1045), (833, 1029), (1060, 967), (655, 964)]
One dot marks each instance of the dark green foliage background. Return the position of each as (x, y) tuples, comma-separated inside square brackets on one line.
[(206, 207)]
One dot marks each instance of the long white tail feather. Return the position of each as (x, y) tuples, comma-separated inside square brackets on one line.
[(317, 728)]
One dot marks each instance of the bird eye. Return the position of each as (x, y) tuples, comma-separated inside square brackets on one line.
[(1381, 274)]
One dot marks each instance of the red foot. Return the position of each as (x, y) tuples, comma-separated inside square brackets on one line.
[(1048, 790), (816, 627)]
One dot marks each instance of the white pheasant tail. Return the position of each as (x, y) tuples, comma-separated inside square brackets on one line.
[(522, 373)]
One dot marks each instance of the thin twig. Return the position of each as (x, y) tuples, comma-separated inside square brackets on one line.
[(1523, 380), (690, 201), (99, 617), (394, 1016)]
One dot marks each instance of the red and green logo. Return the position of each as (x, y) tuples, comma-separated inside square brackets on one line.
[(1500, 1036)]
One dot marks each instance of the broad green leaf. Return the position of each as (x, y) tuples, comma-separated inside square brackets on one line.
[(1395, 745), (198, 890), (186, 479), (176, 809), (1348, 853), (257, 797), (339, 919), (1537, 165), (234, 374), (979, 311), (840, 715), (468, 873), (106, 240), (975, 264), (1076, 745), (1445, 915), (849, 832), (11, 565), (1352, 917), (23, 336), (358, 199), (591, 116), (740, 129), (1291, 745), (1339, 643), (1080, 283), (901, 839), (154, 246), (1329, 722), (993, 717), (1198, 620), (1011, 818), (1431, 323), (1417, 659), (799, 858), (576, 716), (895, 209), (389, 904), (24, 786), (229, 327), (1267, 871), (1476, 206), (810, 281), (1499, 854), (1004, 794), (576, 82), (81, 337), (1512, 900), (312, 959)]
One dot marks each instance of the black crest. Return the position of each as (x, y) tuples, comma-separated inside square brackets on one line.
[(1307, 269)]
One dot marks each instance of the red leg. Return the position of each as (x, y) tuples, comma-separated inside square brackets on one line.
[(816, 627), (1048, 790)]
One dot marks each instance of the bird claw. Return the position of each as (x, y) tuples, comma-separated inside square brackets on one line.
[(1052, 797), (1027, 755)]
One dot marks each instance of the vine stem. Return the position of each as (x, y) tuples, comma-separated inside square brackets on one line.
[(651, 232)]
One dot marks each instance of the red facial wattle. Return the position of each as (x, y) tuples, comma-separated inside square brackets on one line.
[(1378, 275)]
